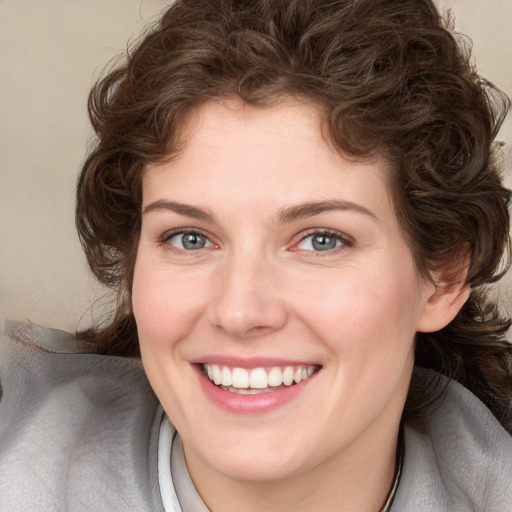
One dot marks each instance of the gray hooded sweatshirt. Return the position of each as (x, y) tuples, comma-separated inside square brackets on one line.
[(80, 432)]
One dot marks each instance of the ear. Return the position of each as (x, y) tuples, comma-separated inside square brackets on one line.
[(444, 299)]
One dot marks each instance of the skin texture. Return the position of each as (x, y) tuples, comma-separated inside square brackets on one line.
[(259, 289)]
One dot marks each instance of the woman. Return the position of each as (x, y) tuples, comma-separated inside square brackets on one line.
[(298, 204)]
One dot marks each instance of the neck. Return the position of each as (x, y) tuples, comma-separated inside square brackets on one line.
[(359, 478)]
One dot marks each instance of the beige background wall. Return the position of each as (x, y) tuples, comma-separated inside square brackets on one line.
[(50, 53)]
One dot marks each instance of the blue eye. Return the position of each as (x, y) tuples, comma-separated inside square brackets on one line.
[(190, 241), (320, 242)]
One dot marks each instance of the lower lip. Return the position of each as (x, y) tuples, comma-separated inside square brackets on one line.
[(251, 404)]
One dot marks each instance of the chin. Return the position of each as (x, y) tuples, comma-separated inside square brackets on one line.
[(254, 457)]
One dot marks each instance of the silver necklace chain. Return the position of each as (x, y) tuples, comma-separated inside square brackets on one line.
[(389, 501)]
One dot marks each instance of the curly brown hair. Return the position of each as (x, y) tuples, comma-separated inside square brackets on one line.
[(392, 81)]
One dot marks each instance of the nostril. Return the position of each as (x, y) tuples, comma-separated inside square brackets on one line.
[(244, 311), (241, 332)]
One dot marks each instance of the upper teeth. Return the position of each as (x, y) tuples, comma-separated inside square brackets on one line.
[(257, 378)]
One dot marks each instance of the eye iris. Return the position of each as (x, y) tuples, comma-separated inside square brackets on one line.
[(323, 242), (193, 241)]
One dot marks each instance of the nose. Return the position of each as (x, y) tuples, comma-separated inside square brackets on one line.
[(247, 302)]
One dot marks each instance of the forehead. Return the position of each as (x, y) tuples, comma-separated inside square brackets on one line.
[(279, 153), (232, 124)]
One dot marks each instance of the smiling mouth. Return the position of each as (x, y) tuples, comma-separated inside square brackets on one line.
[(257, 380)]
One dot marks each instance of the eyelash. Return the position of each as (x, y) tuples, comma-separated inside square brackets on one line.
[(164, 240), (345, 240)]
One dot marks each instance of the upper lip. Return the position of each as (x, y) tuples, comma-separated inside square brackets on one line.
[(251, 362)]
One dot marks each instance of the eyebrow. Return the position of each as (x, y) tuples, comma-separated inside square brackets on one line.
[(181, 209), (301, 211), (284, 216)]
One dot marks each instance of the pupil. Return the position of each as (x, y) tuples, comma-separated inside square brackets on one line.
[(324, 242), (193, 241)]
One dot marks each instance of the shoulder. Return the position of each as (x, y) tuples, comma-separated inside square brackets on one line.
[(43, 362), (461, 460), (76, 430)]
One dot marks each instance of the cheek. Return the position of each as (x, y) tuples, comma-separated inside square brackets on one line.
[(165, 311), (165, 304), (363, 310)]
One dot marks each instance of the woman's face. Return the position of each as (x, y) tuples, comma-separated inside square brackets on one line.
[(264, 257)]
